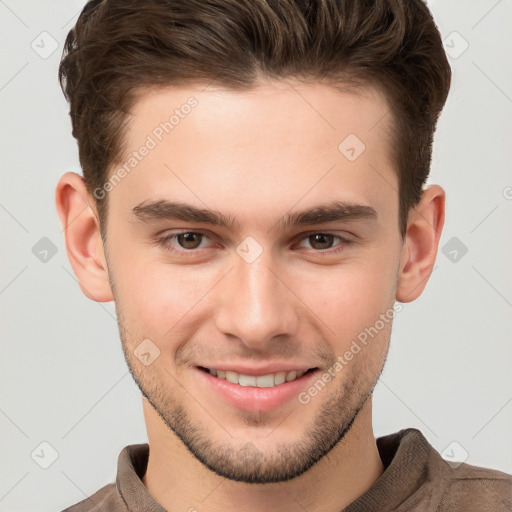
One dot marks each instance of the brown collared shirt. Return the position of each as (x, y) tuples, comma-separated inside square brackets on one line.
[(416, 478)]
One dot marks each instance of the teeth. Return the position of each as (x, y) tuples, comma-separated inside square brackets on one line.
[(291, 376), (262, 381), (232, 377), (247, 380), (280, 378)]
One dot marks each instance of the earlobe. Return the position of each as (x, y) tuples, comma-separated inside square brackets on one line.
[(421, 242), (84, 245)]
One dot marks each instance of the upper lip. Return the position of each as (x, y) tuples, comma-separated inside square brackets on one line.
[(258, 370)]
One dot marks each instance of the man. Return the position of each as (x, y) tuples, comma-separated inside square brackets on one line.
[(254, 202)]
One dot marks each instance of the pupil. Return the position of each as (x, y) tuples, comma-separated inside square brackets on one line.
[(320, 238)]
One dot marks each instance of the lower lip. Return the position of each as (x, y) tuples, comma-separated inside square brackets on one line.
[(250, 398)]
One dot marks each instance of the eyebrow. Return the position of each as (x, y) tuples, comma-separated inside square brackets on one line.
[(330, 212)]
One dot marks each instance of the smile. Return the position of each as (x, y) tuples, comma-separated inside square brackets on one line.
[(259, 381)]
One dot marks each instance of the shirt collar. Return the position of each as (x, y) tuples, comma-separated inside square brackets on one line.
[(408, 461), (405, 455), (131, 467)]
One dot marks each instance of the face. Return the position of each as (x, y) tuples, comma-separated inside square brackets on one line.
[(251, 239)]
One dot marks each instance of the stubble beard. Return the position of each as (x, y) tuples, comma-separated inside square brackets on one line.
[(244, 461)]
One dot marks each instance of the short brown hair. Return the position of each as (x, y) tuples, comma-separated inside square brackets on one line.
[(119, 47)]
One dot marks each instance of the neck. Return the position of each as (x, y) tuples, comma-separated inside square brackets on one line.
[(179, 482)]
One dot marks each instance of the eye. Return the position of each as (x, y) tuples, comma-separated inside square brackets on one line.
[(322, 242), (185, 241), (191, 241)]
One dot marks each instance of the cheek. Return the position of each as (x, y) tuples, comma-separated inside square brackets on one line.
[(156, 298), (352, 297)]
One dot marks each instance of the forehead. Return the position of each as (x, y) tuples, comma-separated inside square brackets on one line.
[(273, 105), (278, 143)]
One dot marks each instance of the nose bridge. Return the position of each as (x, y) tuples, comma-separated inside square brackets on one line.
[(256, 306)]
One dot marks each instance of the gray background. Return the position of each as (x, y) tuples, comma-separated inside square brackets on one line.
[(63, 377)]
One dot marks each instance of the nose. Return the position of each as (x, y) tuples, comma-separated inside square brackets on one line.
[(255, 304)]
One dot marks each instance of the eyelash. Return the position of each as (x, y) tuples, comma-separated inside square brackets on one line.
[(344, 242)]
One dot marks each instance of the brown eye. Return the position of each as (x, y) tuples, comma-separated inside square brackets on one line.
[(321, 241), (185, 243), (189, 240), (325, 244)]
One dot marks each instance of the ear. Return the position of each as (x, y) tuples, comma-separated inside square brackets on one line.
[(419, 251), (84, 245)]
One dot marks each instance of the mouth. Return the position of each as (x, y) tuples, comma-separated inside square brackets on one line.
[(263, 389), (269, 380)]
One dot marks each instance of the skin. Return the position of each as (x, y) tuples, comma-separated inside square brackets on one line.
[(255, 156)]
